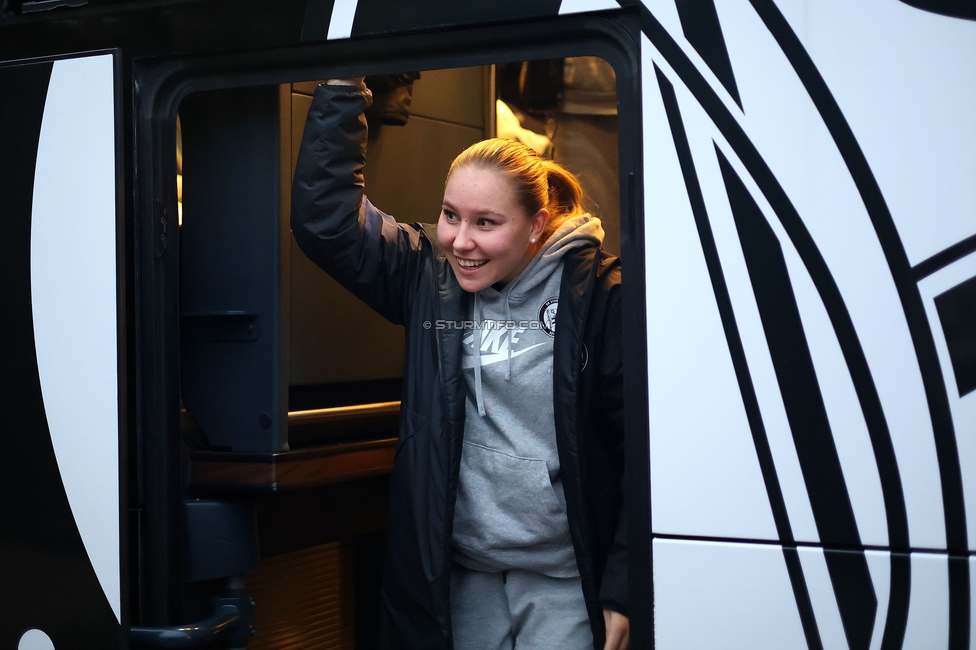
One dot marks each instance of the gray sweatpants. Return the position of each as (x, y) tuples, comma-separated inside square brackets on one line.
[(517, 609)]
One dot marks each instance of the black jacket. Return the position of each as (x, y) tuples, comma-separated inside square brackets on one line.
[(401, 272)]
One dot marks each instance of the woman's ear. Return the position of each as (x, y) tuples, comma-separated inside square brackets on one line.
[(538, 225)]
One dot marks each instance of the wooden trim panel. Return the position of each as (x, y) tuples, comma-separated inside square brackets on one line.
[(234, 471)]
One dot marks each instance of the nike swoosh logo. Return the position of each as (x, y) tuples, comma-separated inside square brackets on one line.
[(488, 359)]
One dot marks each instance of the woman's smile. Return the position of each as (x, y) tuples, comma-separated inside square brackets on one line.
[(470, 264)]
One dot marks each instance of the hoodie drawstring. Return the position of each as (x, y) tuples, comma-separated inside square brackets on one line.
[(476, 338), (508, 319)]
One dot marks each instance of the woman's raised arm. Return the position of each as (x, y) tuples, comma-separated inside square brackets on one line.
[(364, 249)]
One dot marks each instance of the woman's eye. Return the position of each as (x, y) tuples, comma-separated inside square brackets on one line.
[(485, 222), (450, 216)]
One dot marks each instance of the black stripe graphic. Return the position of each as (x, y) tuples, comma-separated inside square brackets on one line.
[(891, 487), (377, 16), (959, 603), (957, 311), (737, 352), (46, 578), (954, 8), (943, 430), (899, 594), (699, 22), (944, 258), (805, 411)]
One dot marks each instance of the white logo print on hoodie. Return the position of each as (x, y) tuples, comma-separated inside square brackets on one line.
[(496, 343)]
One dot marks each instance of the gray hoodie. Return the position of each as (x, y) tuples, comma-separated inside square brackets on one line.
[(511, 510)]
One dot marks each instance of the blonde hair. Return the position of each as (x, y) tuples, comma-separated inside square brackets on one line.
[(540, 184)]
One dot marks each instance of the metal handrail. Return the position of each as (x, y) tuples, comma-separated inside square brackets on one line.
[(340, 413), (193, 635)]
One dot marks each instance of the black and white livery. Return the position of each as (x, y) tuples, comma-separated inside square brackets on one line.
[(61, 489), (807, 236)]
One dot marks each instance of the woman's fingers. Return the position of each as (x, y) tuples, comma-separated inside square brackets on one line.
[(618, 630)]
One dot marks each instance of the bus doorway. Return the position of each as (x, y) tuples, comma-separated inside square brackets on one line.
[(287, 393)]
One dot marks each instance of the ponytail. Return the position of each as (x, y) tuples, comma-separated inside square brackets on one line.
[(565, 197), (540, 184)]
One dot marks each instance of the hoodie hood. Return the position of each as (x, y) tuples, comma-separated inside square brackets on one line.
[(581, 231)]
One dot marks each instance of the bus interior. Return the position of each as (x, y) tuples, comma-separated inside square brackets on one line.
[(289, 386)]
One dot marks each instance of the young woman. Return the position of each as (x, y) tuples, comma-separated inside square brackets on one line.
[(506, 521)]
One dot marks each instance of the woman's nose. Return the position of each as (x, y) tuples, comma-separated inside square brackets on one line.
[(462, 240)]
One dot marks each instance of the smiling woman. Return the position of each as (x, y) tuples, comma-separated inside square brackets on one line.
[(501, 203), (505, 519)]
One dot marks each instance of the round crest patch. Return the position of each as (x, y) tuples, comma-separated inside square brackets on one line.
[(547, 316)]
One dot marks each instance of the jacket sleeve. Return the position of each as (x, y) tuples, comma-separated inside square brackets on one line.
[(365, 250), (614, 587)]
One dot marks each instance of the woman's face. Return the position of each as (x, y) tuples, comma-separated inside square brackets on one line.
[(484, 230)]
